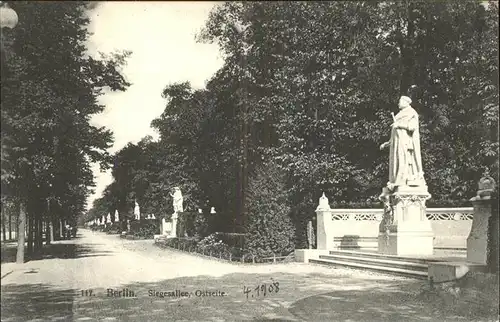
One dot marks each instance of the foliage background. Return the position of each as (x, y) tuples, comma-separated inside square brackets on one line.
[(50, 90), (309, 88)]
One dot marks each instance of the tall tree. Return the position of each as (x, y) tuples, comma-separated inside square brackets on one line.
[(325, 77), (50, 88)]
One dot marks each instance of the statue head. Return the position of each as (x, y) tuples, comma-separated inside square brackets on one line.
[(404, 101), (177, 192)]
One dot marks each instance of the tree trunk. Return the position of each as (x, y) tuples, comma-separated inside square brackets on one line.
[(51, 229), (243, 143), (245, 161), (30, 231), (47, 231), (10, 225), (35, 235), (21, 233), (39, 234), (4, 227)]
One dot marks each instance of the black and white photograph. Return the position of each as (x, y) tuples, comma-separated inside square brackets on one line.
[(249, 161)]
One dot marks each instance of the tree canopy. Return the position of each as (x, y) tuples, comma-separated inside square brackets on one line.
[(310, 87), (50, 89)]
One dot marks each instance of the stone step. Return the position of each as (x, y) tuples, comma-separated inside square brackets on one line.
[(452, 249), (383, 256), (355, 243), (379, 262), (358, 247), (373, 267)]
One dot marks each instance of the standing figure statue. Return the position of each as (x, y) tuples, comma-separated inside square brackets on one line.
[(405, 160), (137, 211), (177, 200)]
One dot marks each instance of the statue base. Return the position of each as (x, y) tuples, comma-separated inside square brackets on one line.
[(405, 229), (482, 242), (166, 227)]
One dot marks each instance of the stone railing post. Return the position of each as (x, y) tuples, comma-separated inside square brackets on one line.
[(482, 242), (323, 221), (163, 229), (61, 234)]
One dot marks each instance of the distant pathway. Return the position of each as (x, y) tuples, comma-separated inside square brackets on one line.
[(72, 284)]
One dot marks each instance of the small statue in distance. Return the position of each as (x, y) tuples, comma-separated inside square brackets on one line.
[(177, 200)]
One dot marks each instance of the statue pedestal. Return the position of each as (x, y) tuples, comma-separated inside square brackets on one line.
[(174, 224), (166, 227), (482, 243), (405, 229)]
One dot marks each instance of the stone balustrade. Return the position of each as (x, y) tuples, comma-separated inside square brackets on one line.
[(360, 227), (464, 213)]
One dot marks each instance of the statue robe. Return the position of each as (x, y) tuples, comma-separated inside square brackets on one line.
[(137, 211), (178, 201), (405, 161)]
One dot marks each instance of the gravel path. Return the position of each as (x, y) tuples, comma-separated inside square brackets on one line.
[(50, 289)]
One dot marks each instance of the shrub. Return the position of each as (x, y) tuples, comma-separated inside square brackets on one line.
[(220, 221), (192, 224), (145, 228), (268, 225), (236, 240), (184, 243), (97, 227), (113, 228), (200, 225), (211, 244)]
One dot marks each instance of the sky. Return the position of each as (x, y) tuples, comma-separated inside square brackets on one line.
[(161, 36)]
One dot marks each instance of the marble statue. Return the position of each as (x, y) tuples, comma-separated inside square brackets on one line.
[(177, 200), (137, 211), (486, 187), (405, 160), (117, 216)]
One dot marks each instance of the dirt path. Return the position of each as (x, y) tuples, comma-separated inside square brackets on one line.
[(72, 283)]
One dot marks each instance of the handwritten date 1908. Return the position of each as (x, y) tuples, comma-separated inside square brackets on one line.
[(261, 290)]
